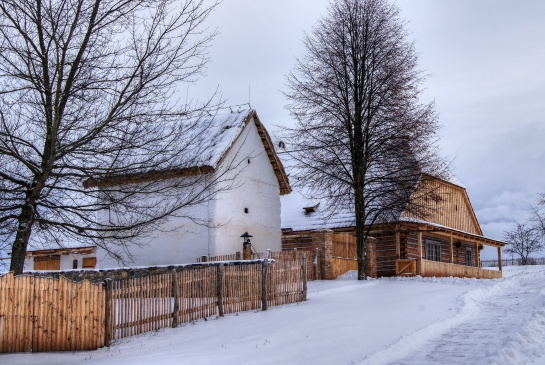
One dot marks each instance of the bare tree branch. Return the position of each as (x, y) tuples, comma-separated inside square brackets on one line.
[(87, 91)]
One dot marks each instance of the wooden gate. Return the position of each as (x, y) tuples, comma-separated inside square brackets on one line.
[(45, 314), (344, 255)]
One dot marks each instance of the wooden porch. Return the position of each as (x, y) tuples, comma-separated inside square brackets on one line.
[(428, 268)]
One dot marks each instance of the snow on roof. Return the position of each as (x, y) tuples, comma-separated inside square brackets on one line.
[(294, 216), (221, 131), (211, 137)]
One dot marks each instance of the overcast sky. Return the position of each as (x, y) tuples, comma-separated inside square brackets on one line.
[(486, 65)]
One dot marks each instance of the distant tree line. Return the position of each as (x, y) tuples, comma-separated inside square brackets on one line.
[(528, 237)]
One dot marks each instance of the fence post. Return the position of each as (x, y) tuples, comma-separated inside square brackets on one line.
[(238, 255), (108, 312), (219, 290), (304, 296), (264, 281), (175, 294)]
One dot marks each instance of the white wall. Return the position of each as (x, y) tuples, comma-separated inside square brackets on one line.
[(183, 240), (179, 241), (259, 193)]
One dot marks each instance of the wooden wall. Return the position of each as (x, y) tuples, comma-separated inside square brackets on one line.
[(441, 269), (344, 253), (386, 253), (451, 207), (300, 241)]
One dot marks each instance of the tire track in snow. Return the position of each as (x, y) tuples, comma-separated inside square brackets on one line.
[(500, 324)]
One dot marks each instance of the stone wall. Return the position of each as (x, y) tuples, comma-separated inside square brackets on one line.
[(97, 276), (322, 241)]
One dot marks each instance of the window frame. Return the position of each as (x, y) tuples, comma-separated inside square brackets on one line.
[(433, 250), (469, 257)]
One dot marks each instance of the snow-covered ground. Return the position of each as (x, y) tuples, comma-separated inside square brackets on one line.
[(385, 321)]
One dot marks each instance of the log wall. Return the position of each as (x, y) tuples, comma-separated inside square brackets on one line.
[(386, 253)]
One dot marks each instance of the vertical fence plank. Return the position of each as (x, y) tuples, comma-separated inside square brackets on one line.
[(176, 311), (108, 312), (264, 305), (304, 294)]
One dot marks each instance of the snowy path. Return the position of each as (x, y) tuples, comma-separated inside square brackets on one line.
[(503, 324)]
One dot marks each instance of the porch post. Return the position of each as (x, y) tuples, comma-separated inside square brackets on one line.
[(419, 263), (477, 259), (451, 250), (499, 259), (398, 248)]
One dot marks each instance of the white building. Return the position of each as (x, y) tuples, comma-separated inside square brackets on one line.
[(238, 139)]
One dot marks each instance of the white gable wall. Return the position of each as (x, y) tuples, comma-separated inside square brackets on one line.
[(258, 192)]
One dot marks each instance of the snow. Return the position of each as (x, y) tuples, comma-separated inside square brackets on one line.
[(384, 321), (220, 132), (294, 217)]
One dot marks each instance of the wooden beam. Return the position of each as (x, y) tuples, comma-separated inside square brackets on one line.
[(451, 250), (477, 261), (398, 246), (419, 266), (499, 258)]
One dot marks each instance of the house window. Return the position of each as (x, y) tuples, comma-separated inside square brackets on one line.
[(469, 256), (47, 262), (433, 251), (89, 262)]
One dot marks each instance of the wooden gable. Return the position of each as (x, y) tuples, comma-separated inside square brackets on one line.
[(447, 205)]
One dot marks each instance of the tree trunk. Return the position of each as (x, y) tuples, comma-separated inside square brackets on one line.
[(360, 231), (18, 252)]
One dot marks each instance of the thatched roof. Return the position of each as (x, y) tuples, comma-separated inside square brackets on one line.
[(223, 130)]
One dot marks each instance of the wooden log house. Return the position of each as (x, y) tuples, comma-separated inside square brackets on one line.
[(447, 243)]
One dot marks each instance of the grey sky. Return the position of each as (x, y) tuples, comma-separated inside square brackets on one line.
[(485, 60)]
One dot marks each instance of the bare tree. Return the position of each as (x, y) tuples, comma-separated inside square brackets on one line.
[(88, 91), (538, 215), (524, 239), (362, 139)]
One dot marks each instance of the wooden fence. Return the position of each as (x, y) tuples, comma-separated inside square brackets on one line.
[(45, 314), (146, 304), (513, 262), (313, 270)]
